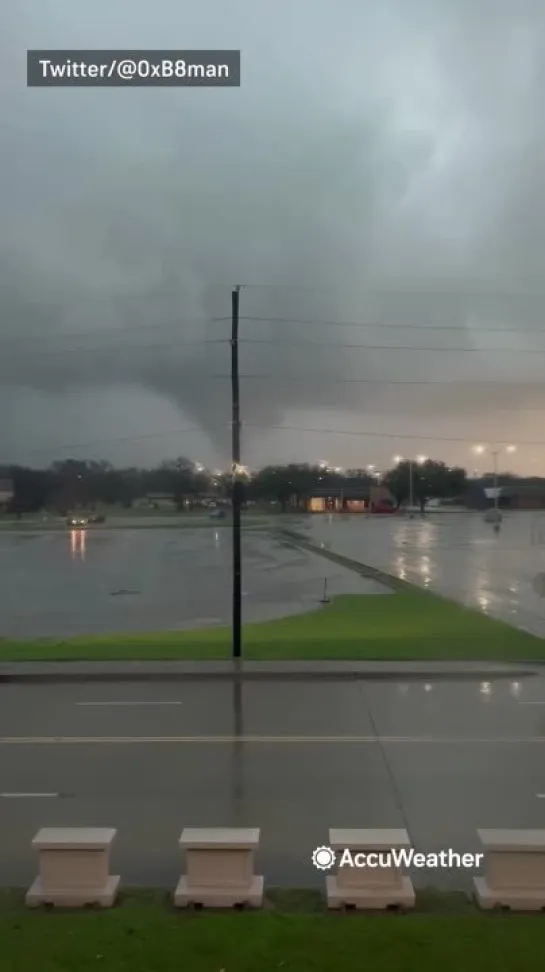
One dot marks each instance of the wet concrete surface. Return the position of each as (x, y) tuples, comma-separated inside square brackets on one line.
[(439, 758), (455, 554), (61, 584)]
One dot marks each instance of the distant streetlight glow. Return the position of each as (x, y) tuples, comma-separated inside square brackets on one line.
[(480, 449), (398, 459), (421, 459)]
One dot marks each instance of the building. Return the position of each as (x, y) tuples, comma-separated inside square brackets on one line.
[(158, 501), (351, 499), (514, 494), (6, 492), (525, 494)]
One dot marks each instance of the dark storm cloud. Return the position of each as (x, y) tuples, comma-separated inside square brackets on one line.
[(372, 148)]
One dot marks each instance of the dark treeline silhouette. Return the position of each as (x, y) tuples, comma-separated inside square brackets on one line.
[(77, 483), (71, 483)]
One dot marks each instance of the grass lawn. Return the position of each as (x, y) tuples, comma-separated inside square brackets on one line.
[(407, 625), (144, 934)]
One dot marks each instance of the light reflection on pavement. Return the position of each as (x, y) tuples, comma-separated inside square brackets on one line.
[(455, 554)]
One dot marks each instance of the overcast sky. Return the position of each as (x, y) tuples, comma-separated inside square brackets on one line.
[(381, 164)]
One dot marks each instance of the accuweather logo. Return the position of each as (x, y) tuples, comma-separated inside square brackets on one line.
[(324, 858)]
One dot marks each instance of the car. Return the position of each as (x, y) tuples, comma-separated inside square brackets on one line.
[(99, 518), (218, 515), (76, 521), (383, 507)]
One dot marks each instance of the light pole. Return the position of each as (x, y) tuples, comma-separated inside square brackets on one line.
[(480, 450), (420, 460), (495, 453)]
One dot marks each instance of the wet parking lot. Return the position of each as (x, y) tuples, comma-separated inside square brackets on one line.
[(66, 583), (440, 758), (455, 554)]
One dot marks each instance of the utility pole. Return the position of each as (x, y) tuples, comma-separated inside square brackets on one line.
[(411, 497), (236, 484)]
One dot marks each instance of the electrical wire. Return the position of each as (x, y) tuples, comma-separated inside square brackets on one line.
[(130, 328), (325, 379), (398, 327), (279, 428), (490, 290), (13, 340), (383, 435), (127, 438), (386, 347), (124, 348)]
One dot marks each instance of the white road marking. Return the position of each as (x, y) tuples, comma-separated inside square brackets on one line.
[(28, 796), (272, 740), (126, 703), (540, 796)]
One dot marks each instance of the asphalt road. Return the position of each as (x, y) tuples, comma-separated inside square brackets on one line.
[(293, 758)]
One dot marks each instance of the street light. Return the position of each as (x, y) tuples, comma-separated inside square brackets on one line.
[(420, 460), (496, 453), (479, 450)]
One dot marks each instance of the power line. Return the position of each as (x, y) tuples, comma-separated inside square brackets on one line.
[(325, 379), (60, 335), (135, 348), (387, 347), (129, 438), (385, 435), (122, 347), (279, 428), (74, 334), (460, 292), (398, 327)]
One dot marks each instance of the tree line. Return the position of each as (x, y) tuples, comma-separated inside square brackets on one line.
[(73, 483)]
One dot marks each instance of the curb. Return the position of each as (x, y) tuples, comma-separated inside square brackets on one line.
[(69, 673), (373, 573)]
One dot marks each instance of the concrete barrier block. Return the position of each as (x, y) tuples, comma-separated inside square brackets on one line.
[(378, 887), (74, 864), (220, 868), (514, 870)]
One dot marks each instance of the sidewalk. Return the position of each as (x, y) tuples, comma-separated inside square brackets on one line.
[(284, 670)]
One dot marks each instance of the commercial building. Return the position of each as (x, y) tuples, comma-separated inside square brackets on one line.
[(351, 499), (6, 492), (513, 494)]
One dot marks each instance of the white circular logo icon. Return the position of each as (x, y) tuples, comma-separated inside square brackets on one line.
[(323, 858)]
